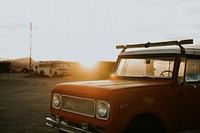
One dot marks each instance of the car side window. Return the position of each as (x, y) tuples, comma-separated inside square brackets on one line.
[(193, 70)]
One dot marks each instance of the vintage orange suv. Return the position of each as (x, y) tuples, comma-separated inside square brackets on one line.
[(154, 88)]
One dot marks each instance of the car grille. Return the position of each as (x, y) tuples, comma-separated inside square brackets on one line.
[(78, 105)]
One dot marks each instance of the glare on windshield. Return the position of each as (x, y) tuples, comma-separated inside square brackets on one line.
[(155, 67)]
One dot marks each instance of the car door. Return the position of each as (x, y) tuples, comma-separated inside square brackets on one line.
[(189, 107)]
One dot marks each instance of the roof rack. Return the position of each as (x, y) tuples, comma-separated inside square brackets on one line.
[(156, 44)]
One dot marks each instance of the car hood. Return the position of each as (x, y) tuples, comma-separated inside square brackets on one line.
[(102, 87)]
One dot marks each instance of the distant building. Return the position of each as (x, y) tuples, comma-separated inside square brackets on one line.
[(5, 67)]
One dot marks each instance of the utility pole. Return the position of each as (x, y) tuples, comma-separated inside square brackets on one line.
[(30, 65)]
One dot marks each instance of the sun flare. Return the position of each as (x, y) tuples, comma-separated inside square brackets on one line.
[(88, 64)]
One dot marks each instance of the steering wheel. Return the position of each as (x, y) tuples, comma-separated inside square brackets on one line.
[(165, 71)]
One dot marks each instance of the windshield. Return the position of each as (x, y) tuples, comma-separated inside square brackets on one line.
[(155, 67)]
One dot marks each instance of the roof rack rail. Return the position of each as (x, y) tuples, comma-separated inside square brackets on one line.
[(156, 44)]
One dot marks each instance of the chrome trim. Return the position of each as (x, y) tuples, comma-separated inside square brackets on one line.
[(64, 127), (59, 98), (108, 108), (94, 105)]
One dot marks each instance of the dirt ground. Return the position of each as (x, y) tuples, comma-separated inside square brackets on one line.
[(24, 103)]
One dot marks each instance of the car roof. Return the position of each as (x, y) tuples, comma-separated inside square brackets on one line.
[(192, 49)]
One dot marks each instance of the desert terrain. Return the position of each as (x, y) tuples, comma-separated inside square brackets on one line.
[(24, 103)]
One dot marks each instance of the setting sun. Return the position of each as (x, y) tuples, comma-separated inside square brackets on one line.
[(88, 64)]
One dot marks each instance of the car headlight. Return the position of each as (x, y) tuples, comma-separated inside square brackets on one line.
[(102, 110), (56, 101)]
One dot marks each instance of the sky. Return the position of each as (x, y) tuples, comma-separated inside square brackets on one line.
[(89, 30)]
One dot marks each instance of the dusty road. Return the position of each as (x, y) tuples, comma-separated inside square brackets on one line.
[(24, 103)]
